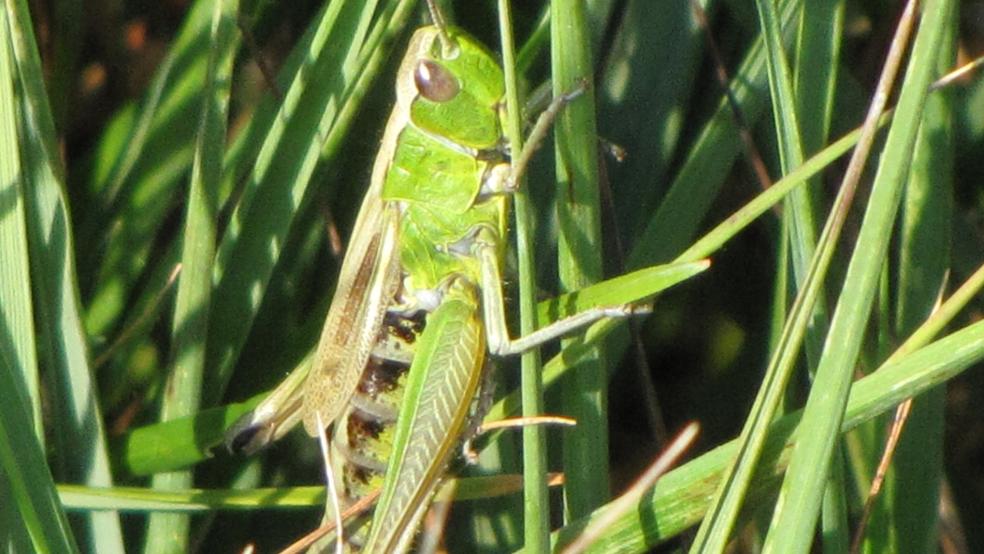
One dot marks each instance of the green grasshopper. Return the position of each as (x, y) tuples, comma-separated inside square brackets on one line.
[(419, 303)]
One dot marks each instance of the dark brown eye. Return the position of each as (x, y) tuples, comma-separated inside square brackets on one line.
[(434, 82)]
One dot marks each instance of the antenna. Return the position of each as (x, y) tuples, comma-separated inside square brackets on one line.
[(449, 48)]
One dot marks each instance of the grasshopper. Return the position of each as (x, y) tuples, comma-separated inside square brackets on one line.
[(419, 305)]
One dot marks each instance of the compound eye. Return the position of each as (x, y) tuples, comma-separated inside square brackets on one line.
[(434, 82)]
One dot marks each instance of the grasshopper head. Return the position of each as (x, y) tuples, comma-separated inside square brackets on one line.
[(455, 90)]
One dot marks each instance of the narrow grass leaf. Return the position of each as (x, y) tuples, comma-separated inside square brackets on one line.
[(585, 392), (183, 389), (536, 500), (32, 503), (679, 215), (905, 517), (16, 312), (817, 57)]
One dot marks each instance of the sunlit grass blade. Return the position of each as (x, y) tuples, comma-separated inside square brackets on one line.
[(800, 206), (77, 430), (179, 443), (31, 503), (16, 310), (817, 57), (137, 499)]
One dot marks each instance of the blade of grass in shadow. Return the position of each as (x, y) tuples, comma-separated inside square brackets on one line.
[(68, 31), (182, 392), (80, 453), (536, 499), (907, 508), (680, 498), (792, 525), (249, 249), (674, 224), (585, 391), (128, 200), (240, 157), (637, 70)]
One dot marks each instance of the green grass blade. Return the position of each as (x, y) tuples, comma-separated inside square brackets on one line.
[(30, 503), (585, 396), (179, 443), (536, 500), (137, 499), (784, 110), (637, 70), (905, 518), (795, 517), (16, 311), (183, 389), (630, 288), (79, 438), (817, 58), (240, 157)]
